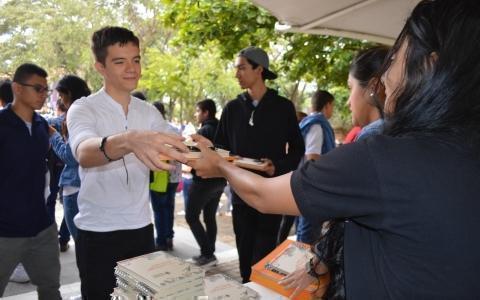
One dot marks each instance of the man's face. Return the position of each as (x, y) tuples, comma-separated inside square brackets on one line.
[(122, 69), (32, 92), (329, 110), (245, 74), (200, 115)]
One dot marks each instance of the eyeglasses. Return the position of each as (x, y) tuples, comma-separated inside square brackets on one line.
[(38, 88)]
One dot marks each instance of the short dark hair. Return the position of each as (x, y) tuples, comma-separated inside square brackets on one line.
[(265, 74), (320, 98), (108, 36), (27, 70), (440, 91), (208, 105), (73, 86), (6, 93), (161, 108)]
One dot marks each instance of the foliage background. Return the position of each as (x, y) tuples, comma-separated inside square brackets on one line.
[(188, 47)]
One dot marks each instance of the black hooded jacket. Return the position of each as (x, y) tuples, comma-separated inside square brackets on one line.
[(273, 127)]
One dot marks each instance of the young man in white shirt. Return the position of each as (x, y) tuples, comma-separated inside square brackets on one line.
[(116, 139), (319, 139)]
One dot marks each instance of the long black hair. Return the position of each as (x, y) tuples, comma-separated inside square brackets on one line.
[(366, 66), (440, 90), (76, 88)]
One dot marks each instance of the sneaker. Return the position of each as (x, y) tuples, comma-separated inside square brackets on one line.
[(161, 248), (196, 258), (19, 275), (169, 244), (204, 261), (64, 247)]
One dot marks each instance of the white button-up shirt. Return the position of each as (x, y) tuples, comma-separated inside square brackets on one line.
[(114, 196)]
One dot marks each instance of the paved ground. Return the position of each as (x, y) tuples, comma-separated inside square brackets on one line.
[(184, 247)]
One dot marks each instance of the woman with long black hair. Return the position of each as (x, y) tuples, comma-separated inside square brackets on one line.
[(411, 193), (70, 88)]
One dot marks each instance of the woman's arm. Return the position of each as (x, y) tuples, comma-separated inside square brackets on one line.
[(62, 149), (267, 195)]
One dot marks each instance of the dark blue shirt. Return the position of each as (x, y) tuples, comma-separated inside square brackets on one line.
[(22, 175)]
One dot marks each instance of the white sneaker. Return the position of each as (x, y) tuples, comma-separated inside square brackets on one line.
[(19, 275)]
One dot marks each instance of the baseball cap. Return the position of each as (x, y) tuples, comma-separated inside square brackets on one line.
[(260, 57)]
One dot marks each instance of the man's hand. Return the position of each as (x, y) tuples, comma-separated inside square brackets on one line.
[(148, 146), (201, 139)]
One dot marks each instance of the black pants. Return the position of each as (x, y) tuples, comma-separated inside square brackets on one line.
[(97, 255), (204, 195), (255, 234)]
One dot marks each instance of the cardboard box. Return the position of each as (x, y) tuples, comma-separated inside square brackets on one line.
[(267, 274)]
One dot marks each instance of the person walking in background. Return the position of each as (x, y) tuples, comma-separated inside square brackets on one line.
[(70, 88), (6, 93), (27, 234), (6, 96), (319, 139), (204, 194), (258, 124), (117, 139), (55, 167), (163, 203)]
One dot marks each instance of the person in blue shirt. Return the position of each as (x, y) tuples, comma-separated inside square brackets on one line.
[(69, 88), (27, 234)]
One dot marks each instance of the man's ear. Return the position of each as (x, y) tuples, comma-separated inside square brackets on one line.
[(259, 69), (16, 88), (100, 67)]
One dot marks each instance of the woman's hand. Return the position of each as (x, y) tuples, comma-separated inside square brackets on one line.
[(209, 165), (298, 280)]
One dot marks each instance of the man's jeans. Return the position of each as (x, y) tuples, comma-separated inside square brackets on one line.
[(70, 210), (308, 232), (163, 205)]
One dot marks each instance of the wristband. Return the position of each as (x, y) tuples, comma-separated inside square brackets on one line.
[(102, 148), (310, 266)]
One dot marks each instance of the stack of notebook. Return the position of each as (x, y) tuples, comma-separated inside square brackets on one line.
[(222, 287), (157, 275)]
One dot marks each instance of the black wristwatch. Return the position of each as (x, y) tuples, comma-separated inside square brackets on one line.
[(102, 148), (310, 266)]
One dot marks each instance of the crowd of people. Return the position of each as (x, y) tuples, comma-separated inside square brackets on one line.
[(391, 215)]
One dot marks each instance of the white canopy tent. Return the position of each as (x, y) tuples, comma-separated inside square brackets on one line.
[(374, 20)]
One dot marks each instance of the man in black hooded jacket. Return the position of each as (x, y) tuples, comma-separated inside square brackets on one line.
[(258, 124)]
